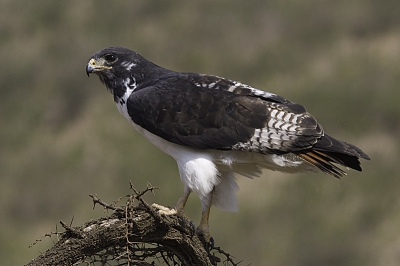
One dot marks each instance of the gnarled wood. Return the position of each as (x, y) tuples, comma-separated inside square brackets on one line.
[(131, 235)]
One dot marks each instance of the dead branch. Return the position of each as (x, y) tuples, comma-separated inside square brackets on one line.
[(132, 235)]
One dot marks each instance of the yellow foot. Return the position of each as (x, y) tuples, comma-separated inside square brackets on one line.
[(164, 210)]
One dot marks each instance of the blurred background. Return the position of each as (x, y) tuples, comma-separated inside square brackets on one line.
[(62, 138)]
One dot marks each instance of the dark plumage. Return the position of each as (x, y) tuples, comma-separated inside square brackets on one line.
[(204, 114)]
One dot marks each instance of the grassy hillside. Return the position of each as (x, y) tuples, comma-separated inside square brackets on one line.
[(62, 138)]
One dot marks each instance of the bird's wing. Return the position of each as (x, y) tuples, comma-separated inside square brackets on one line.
[(209, 112)]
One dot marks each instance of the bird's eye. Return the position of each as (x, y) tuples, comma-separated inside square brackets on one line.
[(110, 58)]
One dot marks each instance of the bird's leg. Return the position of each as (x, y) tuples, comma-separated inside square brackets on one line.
[(179, 206), (203, 228)]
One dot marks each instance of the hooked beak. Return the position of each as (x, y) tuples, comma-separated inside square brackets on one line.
[(96, 66)]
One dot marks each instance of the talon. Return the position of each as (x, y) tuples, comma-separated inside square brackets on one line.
[(193, 227), (211, 243), (204, 233), (164, 210)]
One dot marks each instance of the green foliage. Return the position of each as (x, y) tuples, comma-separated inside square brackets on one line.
[(62, 138)]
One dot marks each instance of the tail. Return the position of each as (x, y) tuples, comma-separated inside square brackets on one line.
[(329, 151)]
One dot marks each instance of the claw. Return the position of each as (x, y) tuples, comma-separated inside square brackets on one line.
[(193, 227), (204, 233), (206, 238), (212, 243)]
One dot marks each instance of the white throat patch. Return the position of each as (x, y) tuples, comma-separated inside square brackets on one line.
[(130, 86)]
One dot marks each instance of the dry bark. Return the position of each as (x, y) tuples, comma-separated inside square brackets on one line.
[(134, 234)]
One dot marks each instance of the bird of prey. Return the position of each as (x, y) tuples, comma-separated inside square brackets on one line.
[(216, 127)]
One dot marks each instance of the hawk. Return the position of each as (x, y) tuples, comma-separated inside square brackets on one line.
[(216, 127)]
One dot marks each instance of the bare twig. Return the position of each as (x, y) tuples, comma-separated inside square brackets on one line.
[(97, 200), (49, 235)]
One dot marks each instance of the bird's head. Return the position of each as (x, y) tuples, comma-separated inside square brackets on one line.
[(115, 65)]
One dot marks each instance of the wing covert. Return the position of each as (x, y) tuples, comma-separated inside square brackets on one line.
[(222, 114)]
